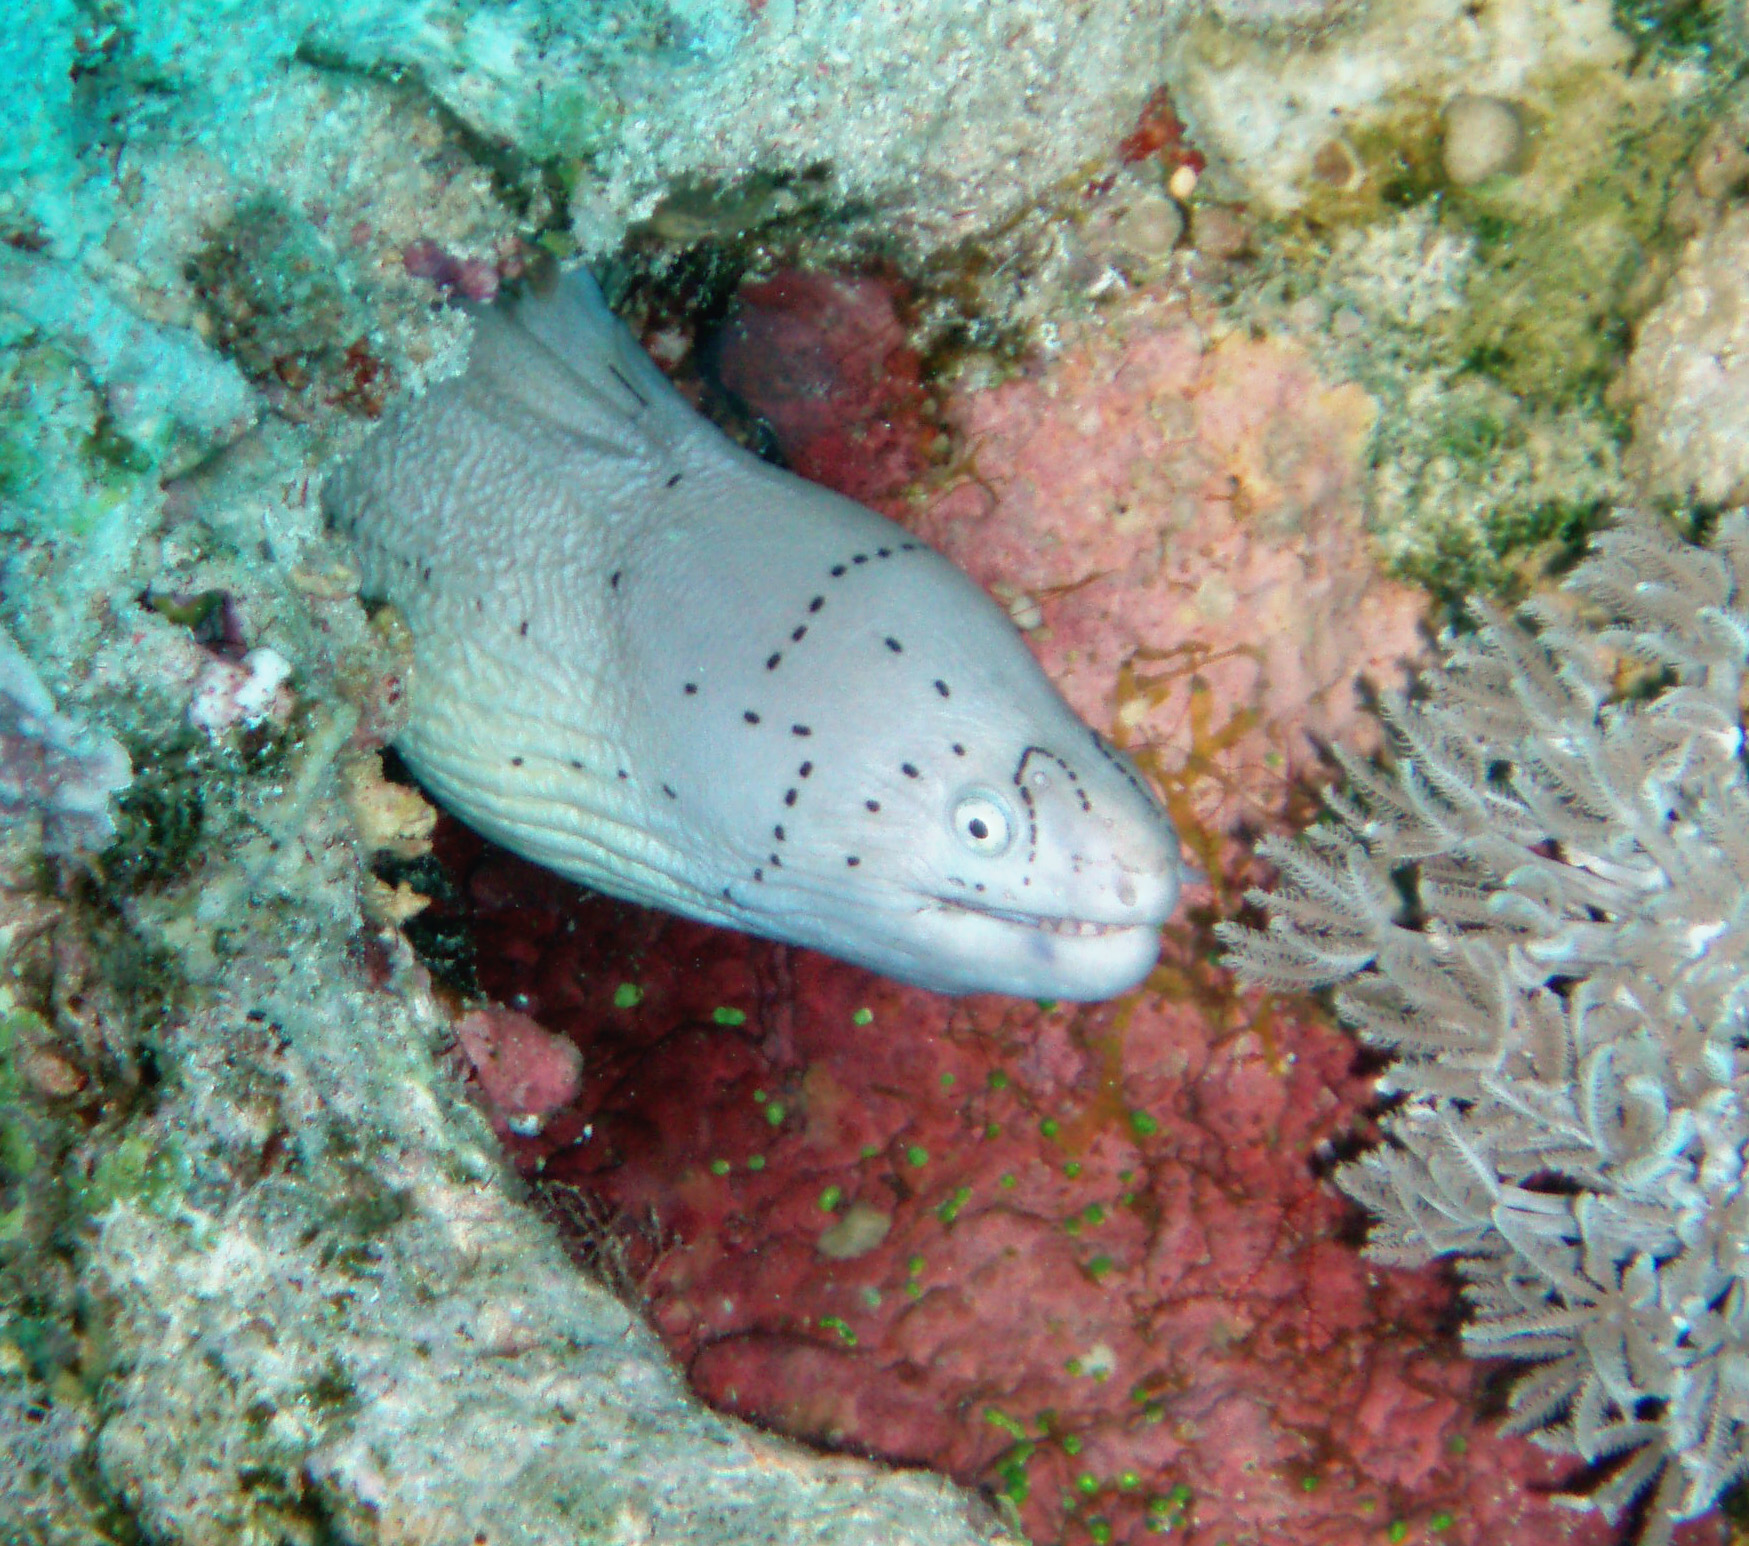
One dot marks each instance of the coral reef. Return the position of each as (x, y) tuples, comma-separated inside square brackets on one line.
[(1002, 1238), (1485, 306), (1265, 105), (695, 118), (1081, 1257), (1535, 907), (165, 392), (263, 1275)]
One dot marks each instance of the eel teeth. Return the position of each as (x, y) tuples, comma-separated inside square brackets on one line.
[(1079, 928)]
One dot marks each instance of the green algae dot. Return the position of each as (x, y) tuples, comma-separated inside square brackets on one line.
[(997, 1418), (1007, 1182), (950, 1210), (1072, 1169), (725, 1016), (1100, 1265), (947, 1081), (830, 1198), (1397, 1530), (1049, 1128), (1129, 1481), (992, 1129), (997, 1080), (869, 1150), (760, 1097), (914, 1290), (1180, 1496), (1099, 1530), (835, 1323), (917, 1155), (870, 1296), (719, 1167), (1087, 1483), (628, 995), (757, 1162), (914, 1266), (1093, 1213), (774, 1114), (1046, 1004), (1440, 1522), (1072, 1368), (1154, 1414), (1143, 1125), (862, 1017), (1012, 1470), (1308, 1484)]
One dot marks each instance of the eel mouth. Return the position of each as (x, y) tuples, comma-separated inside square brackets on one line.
[(1068, 928)]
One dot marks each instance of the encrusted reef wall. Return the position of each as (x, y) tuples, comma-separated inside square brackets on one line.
[(1235, 303), (264, 1275)]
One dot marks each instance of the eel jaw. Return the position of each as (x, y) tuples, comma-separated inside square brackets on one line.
[(977, 949), (1073, 928)]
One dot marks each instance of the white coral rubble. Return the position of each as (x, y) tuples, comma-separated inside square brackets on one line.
[(52, 766)]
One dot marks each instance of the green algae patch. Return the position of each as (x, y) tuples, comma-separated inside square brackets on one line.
[(54, 468), (1489, 321), (277, 302), (163, 814), (572, 125), (1561, 251), (142, 1169), (1558, 248), (27, 1138), (1672, 28)]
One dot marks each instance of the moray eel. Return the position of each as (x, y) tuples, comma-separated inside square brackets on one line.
[(663, 668)]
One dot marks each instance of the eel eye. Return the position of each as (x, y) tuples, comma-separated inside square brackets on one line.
[(982, 824)]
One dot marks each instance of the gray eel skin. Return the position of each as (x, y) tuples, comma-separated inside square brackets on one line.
[(651, 662)]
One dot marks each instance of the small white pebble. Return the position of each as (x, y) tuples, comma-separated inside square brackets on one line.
[(1721, 164), (1483, 136), (254, 696), (227, 694), (1183, 183), (1023, 611)]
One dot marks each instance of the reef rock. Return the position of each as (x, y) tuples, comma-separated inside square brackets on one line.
[(1689, 374)]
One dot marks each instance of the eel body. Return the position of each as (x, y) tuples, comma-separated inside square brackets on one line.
[(653, 663)]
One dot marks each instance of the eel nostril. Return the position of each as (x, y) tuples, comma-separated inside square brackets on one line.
[(1126, 891)]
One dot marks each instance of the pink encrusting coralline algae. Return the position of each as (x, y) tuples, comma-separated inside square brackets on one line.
[(524, 1072), (1083, 1257), (1177, 519)]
